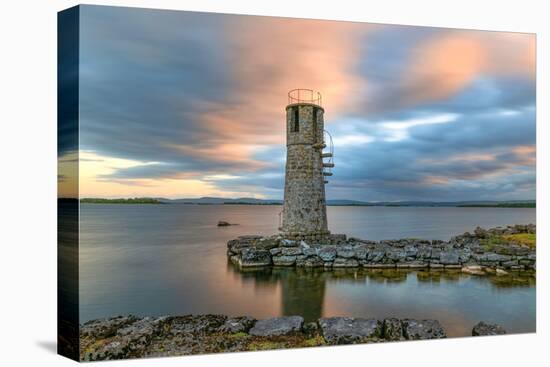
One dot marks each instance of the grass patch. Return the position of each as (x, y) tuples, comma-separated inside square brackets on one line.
[(96, 344), (315, 341), (526, 239), (266, 345), (239, 335)]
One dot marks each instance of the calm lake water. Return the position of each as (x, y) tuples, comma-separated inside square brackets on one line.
[(171, 259)]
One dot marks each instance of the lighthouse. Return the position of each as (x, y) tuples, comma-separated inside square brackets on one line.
[(308, 167)]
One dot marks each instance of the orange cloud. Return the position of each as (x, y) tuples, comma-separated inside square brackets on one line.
[(189, 184), (447, 63), (436, 180), (266, 58), (526, 154), (237, 153)]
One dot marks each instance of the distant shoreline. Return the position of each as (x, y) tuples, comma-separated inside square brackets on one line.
[(121, 201), (207, 201)]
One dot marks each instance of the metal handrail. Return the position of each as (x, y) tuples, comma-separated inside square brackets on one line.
[(330, 148), (305, 96)]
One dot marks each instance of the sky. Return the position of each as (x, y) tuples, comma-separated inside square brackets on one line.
[(181, 104)]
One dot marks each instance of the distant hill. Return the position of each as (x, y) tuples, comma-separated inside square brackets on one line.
[(346, 202), (121, 201), (220, 201)]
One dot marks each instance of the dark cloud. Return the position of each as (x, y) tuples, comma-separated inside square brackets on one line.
[(67, 81), (146, 77)]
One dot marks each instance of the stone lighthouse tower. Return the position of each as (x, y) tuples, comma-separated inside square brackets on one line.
[(304, 213)]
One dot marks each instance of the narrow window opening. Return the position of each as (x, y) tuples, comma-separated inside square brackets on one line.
[(315, 116), (296, 121), (315, 123)]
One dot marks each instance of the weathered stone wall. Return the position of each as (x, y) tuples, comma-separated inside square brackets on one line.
[(304, 210), (137, 337), (467, 252)]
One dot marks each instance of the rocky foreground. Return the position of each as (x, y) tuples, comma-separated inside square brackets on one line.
[(496, 250), (134, 337)]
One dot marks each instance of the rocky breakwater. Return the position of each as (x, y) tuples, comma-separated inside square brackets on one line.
[(135, 337), (497, 250), (124, 337)]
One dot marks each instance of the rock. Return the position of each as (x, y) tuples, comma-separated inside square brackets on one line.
[(267, 243), (249, 238), (501, 272), (144, 327), (361, 252), (300, 260), (288, 243), (480, 232), (345, 252), (435, 254), (236, 246), (132, 339), (222, 223), (103, 328), (304, 245), (194, 325), (284, 260), (310, 251), (278, 326), (464, 256), (347, 330), (397, 255), (313, 262), (449, 258), (338, 237), (509, 264), (473, 269), (240, 324), (495, 258), (311, 329), (482, 329), (275, 251), (453, 267), (377, 254), (422, 329), (291, 251), (251, 257), (424, 252), (327, 253), (412, 265), (392, 329), (378, 266), (235, 259), (411, 251), (340, 262)]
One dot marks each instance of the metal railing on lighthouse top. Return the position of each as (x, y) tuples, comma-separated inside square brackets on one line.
[(301, 95)]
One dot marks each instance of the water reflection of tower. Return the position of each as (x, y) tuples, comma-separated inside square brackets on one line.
[(302, 290), (303, 293)]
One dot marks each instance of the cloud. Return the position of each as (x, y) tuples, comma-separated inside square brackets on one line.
[(190, 104), (407, 67), (476, 156), (447, 63), (353, 140), (398, 130)]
